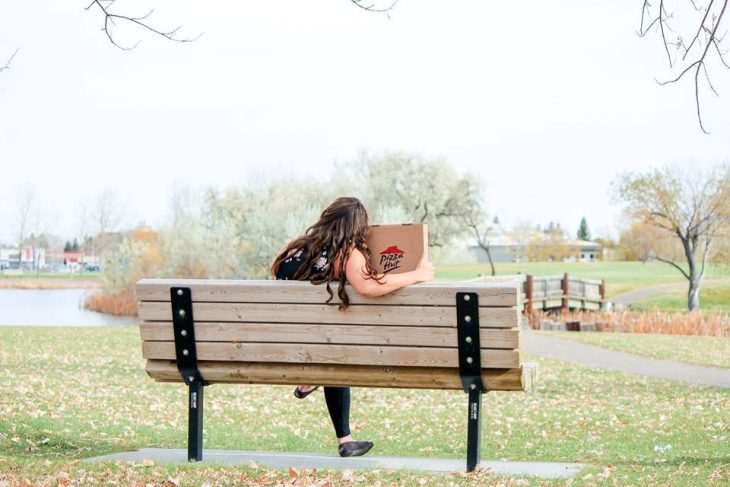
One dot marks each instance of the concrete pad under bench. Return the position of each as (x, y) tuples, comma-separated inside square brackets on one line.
[(547, 470)]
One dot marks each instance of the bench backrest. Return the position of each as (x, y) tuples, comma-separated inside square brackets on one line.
[(281, 332)]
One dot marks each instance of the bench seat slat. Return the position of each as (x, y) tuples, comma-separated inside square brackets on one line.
[(319, 313), (332, 333), (271, 291), (515, 379), (334, 354)]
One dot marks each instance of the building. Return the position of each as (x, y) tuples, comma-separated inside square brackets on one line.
[(39, 258), (26, 258), (503, 249), (59, 259)]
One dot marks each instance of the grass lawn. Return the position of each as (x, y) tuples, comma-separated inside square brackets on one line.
[(700, 350), (713, 296), (72, 393), (620, 276)]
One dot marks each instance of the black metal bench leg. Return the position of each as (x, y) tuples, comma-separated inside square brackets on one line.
[(195, 421), (473, 429)]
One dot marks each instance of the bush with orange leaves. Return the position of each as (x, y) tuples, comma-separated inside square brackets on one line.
[(121, 303), (706, 323), (138, 256)]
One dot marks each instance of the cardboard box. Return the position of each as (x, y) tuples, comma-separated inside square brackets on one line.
[(397, 248)]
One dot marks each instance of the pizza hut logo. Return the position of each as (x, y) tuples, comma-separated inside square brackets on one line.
[(391, 258)]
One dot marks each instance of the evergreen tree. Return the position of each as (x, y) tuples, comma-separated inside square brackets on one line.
[(67, 246), (583, 232)]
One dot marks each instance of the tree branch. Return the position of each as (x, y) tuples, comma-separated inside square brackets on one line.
[(372, 7), (699, 31), (720, 54), (699, 62), (111, 18), (661, 28), (7, 63), (708, 241), (672, 263)]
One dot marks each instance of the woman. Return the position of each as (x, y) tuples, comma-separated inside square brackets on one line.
[(334, 249)]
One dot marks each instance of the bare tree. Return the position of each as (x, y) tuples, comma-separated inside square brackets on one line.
[(478, 225), (106, 216), (10, 60), (688, 55), (24, 206), (691, 205), (474, 216)]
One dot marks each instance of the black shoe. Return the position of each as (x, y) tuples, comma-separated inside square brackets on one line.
[(301, 395), (355, 448)]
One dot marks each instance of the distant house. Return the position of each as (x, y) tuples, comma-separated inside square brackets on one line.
[(505, 250), (589, 251)]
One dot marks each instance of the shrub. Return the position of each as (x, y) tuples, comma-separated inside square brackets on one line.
[(706, 323)]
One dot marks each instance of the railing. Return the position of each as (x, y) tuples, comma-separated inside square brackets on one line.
[(556, 292)]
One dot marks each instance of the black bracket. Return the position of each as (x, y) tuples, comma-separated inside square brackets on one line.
[(467, 326), (184, 328)]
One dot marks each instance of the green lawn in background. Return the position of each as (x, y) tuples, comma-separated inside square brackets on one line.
[(713, 296), (620, 276), (71, 393), (700, 350)]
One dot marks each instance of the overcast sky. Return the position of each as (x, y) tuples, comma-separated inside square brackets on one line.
[(546, 101)]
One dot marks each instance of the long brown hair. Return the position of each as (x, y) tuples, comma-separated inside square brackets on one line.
[(342, 227)]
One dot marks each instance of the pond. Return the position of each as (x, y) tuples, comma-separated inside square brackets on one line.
[(52, 307)]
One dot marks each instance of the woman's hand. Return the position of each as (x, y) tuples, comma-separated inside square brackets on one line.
[(388, 282), (425, 270)]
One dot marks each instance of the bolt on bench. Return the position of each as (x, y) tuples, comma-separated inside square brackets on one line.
[(427, 336)]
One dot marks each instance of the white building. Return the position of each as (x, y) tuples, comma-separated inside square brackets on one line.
[(30, 258), (504, 249)]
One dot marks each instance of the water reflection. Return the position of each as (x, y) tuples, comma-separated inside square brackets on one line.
[(51, 307)]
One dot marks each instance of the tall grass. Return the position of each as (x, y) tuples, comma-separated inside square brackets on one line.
[(120, 303), (700, 323)]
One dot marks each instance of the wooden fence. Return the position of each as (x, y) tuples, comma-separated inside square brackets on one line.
[(556, 292)]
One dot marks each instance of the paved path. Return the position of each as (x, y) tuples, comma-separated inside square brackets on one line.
[(643, 293), (548, 470), (602, 358)]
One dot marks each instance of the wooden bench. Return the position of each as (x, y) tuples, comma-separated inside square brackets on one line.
[(426, 336)]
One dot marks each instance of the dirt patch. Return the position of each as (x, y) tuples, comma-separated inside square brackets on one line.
[(45, 283)]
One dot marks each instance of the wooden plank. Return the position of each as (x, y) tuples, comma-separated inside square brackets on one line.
[(595, 282), (575, 303), (516, 379), (319, 313), (331, 354), (271, 291), (341, 334)]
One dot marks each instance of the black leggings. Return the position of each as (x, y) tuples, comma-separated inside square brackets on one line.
[(338, 404)]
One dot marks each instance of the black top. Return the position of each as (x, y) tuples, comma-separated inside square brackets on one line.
[(291, 264)]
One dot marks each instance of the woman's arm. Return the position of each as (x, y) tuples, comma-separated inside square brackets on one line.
[(390, 282)]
